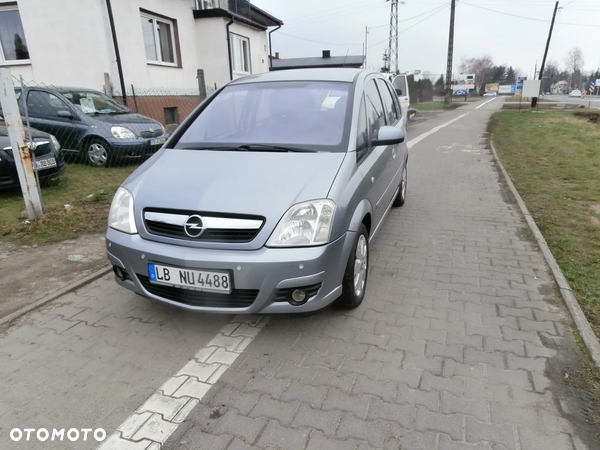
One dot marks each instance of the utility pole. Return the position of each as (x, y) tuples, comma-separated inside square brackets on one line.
[(534, 99), (448, 97), (393, 40)]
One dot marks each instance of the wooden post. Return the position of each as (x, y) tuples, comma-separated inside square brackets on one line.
[(201, 84)]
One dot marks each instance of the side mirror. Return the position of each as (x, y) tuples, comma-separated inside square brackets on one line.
[(399, 91), (65, 114), (389, 136)]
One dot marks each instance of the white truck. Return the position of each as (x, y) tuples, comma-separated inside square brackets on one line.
[(400, 84)]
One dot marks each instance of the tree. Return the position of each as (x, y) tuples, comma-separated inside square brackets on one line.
[(440, 82), (481, 67), (511, 76), (498, 74), (550, 75), (574, 62)]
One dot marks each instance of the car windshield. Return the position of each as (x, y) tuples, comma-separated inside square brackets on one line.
[(93, 102), (309, 115)]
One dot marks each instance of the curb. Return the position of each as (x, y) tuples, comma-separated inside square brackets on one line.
[(581, 322), (73, 286)]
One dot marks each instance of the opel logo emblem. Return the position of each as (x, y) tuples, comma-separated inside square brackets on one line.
[(194, 226)]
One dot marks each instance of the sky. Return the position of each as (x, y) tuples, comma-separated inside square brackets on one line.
[(512, 32)]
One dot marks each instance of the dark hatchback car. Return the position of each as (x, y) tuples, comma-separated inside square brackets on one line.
[(91, 126), (48, 158)]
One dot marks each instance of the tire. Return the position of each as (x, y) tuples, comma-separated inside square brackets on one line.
[(357, 270), (401, 197), (97, 153)]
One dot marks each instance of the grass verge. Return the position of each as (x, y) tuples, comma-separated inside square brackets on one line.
[(554, 162), (74, 204)]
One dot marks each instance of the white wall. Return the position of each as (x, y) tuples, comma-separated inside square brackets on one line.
[(70, 44), (211, 45), (59, 32)]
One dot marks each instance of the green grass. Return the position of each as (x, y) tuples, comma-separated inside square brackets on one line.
[(88, 191), (554, 161)]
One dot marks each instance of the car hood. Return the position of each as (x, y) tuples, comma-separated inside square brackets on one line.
[(122, 119), (250, 183)]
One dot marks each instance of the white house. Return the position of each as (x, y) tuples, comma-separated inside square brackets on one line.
[(161, 43)]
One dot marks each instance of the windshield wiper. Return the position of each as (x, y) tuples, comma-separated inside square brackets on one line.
[(254, 148)]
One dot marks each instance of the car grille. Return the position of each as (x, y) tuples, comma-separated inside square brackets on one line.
[(225, 235), (150, 134), (284, 295), (43, 147), (238, 298)]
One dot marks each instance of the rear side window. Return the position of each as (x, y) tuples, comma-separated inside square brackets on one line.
[(399, 84), (375, 114), (388, 103)]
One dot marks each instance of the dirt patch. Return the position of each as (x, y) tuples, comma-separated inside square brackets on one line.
[(28, 273)]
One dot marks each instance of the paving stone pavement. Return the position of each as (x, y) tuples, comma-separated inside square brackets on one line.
[(458, 345), (448, 350)]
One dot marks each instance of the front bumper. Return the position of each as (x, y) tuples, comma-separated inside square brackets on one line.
[(263, 272), (139, 148)]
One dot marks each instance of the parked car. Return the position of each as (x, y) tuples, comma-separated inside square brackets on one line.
[(575, 93), (90, 125), (490, 94), (266, 198), (400, 84), (48, 158)]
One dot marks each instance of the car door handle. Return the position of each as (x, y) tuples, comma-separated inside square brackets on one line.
[(394, 153), (372, 179)]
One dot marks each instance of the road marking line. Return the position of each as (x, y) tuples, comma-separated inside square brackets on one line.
[(419, 138), (160, 415), (483, 104)]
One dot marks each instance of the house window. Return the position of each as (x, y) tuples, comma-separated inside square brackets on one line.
[(171, 115), (240, 55), (13, 45), (159, 39)]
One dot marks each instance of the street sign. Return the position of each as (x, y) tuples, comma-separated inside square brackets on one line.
[(592, 84)]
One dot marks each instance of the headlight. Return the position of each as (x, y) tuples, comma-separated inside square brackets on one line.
[(122, 133), (120, 216), (55, 143), (304, 224)]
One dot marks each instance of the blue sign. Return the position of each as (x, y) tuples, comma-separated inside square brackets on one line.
[(520, 83), (460, 92), (592, 83), (512, 89)]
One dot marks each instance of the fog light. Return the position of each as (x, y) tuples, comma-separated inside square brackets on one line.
[(298, 295), (120, 273)]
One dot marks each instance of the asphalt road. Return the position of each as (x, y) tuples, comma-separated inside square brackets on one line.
[(460, 343), (593, 100)]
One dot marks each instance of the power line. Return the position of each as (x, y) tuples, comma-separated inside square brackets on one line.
[(312, 40), (529, 18), (413, 17)]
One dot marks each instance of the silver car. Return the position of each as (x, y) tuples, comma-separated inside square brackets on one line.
[(266, 198)]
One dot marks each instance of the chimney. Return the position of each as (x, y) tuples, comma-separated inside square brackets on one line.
[(276, 55), (326, 53)]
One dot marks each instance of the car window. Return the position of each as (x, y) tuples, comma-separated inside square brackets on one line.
[(388, 103), (375, 114), (399, 84), (93, 102), (362, 133), (306, 114), (42, 103)]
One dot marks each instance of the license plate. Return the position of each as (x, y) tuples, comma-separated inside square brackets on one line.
[(158, 141), (198, 280), (41, 164)]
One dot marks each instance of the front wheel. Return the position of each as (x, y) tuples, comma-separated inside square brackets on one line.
[(401, 197), (97, 153), (357, 271)]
